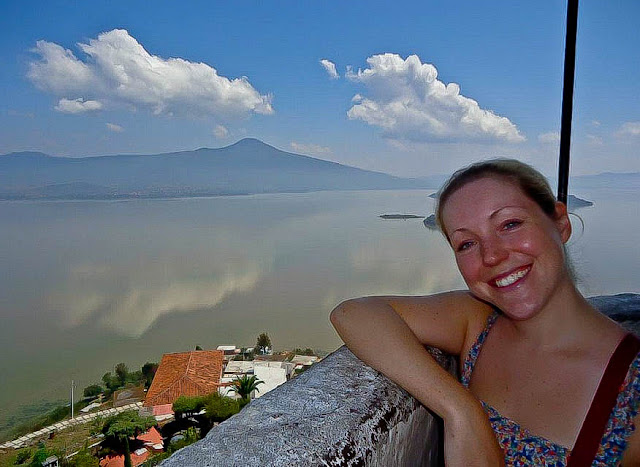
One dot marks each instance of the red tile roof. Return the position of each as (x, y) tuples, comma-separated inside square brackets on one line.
[(151, 437), (195, 373), (118, 461)]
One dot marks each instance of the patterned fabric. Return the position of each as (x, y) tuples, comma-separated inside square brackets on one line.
[(523, 448)]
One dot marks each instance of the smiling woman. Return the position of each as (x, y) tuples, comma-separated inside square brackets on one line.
[(535, 357)]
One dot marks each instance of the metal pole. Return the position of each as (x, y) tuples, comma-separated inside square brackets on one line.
[(71, 399), (567, 99)]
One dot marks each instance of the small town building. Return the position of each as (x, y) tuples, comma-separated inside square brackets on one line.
[(152, 440), (195, 373), (51, 461), (270, 376)]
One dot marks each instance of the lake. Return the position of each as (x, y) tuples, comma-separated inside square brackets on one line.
[(88, 284)]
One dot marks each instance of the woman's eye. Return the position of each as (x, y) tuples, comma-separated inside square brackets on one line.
[(465, 246), (511, 224)]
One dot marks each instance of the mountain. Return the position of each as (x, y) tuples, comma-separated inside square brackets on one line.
[(248, 166)]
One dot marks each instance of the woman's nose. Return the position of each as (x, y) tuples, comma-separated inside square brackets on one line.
[(493, 252)]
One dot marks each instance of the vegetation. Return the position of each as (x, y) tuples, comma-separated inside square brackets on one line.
[(263, 344), (93, 390), (185, 406), (245, 385), (123, 426)]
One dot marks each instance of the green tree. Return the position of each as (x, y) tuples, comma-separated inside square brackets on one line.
[(121, 427), (122, 372), (149, 371), (245, 385), (263, 344), (198, 347), (185, 406), (110, 382), (93, 390), (218, 408)]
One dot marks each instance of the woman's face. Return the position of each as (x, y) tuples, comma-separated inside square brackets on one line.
[(508, 250)]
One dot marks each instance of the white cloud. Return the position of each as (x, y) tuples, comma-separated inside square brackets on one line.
[(220, 132), (552, 137), (595, 123), (409, 102), (115, 128), (119, 69), (629, 129), (330, 67), (76, 106), (310, 149), (594, 140)]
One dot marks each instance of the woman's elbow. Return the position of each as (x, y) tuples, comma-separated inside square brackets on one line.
[(347, 309)]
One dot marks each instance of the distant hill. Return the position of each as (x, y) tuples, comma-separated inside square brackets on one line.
[(246, 167)]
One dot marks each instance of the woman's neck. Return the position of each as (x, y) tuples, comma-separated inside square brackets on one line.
[(566, 318)]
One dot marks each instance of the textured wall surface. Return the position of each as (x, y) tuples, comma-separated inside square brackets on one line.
[(340, 412)]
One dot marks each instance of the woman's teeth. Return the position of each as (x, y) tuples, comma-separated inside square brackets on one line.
[(511, 278)]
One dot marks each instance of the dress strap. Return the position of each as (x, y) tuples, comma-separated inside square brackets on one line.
[(470, 362), (603, 403)]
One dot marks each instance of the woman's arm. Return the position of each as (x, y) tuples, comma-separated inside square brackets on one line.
[(389, 334)]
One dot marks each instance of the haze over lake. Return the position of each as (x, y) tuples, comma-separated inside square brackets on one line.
[(88, 284)]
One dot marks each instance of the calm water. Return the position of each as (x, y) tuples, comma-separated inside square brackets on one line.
[(88, 284)]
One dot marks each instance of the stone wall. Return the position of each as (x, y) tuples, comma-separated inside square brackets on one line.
[(339, 412)]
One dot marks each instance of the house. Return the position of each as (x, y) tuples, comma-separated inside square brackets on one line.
[(138, 457), (195, 373), (238, 367), (230, 351), (51, 461), (302, 362), (271, 377), (152, 440), (153, 443)]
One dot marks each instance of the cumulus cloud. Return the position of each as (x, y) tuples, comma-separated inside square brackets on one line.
[(311, 149), (629, 129), (552, 137), (330, 67), (220, 132), (115, 128), (118, 69), (77, 106), (407, 101)]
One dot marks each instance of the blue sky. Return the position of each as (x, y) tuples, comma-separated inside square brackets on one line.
[(432, 85)]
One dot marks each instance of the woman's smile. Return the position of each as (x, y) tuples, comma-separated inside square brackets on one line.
[(511, 278)]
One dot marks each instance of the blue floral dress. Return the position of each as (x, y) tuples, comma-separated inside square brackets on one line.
[(523, 448)]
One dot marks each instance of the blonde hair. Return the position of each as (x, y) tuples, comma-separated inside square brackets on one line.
[(531, 182)]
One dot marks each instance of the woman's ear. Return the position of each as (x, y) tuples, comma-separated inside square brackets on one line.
[(562, 221)]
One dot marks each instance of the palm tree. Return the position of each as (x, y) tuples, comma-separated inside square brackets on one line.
[(244, 385)]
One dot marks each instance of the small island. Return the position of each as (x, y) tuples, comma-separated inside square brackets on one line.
[(400, 216), (430, 222)]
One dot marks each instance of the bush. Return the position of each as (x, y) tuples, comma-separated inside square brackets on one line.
[(219, 408), (186, 406), (93, 390), (23, 456)]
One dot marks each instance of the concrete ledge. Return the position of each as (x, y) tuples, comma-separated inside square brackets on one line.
[(339, 412)]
